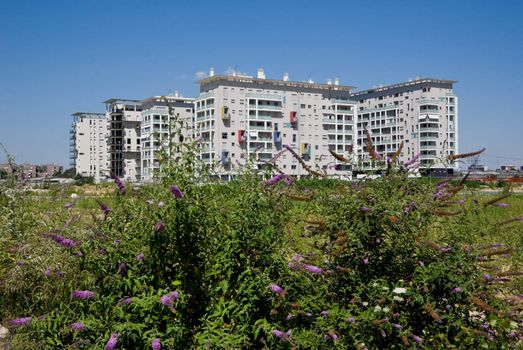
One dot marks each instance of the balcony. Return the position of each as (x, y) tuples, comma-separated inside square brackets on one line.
[(265, 97), (429, 129)]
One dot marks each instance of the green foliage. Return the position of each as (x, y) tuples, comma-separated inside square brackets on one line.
[(368, 265)]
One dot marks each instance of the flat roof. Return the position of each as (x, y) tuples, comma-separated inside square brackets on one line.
[(251, 80), (113, 100), (404, 84), (78, 114), (168, 97)]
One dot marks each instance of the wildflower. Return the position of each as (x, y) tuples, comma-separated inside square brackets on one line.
[(292, 265), (176, 192), (486, 277), (288, 180), (274, 180), (68, 205), (169, 299), (77, 326), (413, 160), (112, 342), (366, 260), (364, 209), (308, 314), (324, 313), (65, 242), (456, 290), (105, 209), (445, 249), (289, 316), (501, 205), (283, 336), (119, 183), (174, 295), (140, 257), (83, 294), (417, 339), (383, 334), (20, 263), (351, 320), (159, 226), (461, 201), (21, 322), (125, 301), (297, 258), (313, 269), (48, 272), (122, 269), (333, 335), (155, 344), (161, 204), (399, 290), (74, 196), (397, 326), (277, 289), (421, 263)]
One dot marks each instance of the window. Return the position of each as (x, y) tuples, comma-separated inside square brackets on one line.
[(224, 136), (293, 137)]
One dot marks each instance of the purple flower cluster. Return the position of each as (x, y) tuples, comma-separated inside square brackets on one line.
[(176, 192), (125, 301), (413, 160), (140, 257), (105, 209), (21, 322), (364, 209), (159, 226), (274, 180), (277, 289), (112, 342), (169, 299), (313, 269), (77, 326), (83, 294), (283, 336), (155, 344), (397, 326), (64, 242), (122, 269), (119, 183)]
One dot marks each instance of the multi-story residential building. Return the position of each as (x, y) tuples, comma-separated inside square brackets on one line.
[(422, 113), (88, 145), (237, 116), (157, 127), (123, 137)]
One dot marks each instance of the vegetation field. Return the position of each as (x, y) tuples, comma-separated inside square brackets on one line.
[(270, 263)]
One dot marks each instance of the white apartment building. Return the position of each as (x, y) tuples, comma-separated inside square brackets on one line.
[(237, 116), (157, 127), (123, 137), (422, 113), (88, 145)]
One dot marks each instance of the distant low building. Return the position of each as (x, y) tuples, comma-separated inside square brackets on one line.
[(478, 167), (509, 168)]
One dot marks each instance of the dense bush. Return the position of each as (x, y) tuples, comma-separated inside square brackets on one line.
[(315, 264)]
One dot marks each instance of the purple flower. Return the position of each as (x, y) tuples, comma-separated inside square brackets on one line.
[(416, 338), (445, 249), (20, 263), (461, 201), (277, 289), (125, 301), (383, 334), (366, 260), (68, 205), (119, 183), (421, 263), (274, 180), (313, 269), (21, 322), (283, 336), (364, 209), (169, 299), (122, 269), (397, 326), (48, 272), (64, 242), (176, 192), (155, 344), (501, 205), (83, 294), (324, 313), (351, 320), (78, 254), (486, 277), (288, 180), (308, 314), (159, 226), (456, 290), (333, 336), (140, 257), (413, 160), (77, 326), (105, 209), (297, 257), (292, 265), (289, 316), (112, 342)]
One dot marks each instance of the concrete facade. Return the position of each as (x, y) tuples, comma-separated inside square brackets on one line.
[(123, 137), (157, 126), (422, 113), (88, 145), (239, 117)]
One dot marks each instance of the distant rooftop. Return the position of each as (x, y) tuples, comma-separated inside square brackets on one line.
[(283, 83), (79, 114), (113, 100), (405, 84)]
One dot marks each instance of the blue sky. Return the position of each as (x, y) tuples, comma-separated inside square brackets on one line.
[(60, 57)]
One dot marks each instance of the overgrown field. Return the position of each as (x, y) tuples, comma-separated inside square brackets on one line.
[(315, 264)]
